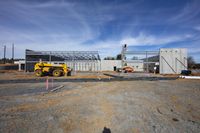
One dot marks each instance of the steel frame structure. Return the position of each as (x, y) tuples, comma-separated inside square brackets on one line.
[(145, 60), (74, 57)]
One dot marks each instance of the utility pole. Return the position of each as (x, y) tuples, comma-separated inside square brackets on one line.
[(123, 57), (147, 62), (4, 55), (13, 53)]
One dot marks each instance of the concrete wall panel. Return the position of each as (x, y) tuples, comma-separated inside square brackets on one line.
[(172, 61), (108, 65)]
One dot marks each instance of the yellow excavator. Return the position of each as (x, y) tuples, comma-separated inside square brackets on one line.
[(55, 70)]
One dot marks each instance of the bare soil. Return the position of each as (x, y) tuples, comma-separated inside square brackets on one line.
[(87, 107), (16, 75)]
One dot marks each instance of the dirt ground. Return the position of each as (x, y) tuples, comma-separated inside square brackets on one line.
[(87, 107), (13, 75)]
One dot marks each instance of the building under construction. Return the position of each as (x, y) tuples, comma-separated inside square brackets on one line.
[(164, 61), (78, 60)]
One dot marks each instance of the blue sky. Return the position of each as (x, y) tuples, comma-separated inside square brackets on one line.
[(102, 25)]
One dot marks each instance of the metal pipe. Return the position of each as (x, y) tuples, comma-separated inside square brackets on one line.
[(4, 55), (190, 77), (13, 53)]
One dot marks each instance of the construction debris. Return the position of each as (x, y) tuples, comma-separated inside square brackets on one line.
[(59, 87)]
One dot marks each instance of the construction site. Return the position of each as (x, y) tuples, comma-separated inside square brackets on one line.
[(78, 92), (99, 66)]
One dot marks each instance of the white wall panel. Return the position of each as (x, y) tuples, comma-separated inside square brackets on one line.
[(172, 61)]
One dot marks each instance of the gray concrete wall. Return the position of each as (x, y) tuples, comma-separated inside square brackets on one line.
[(103, 65), (108, 65), (84, 65), (9, 67), (172, 61), (138, 66)]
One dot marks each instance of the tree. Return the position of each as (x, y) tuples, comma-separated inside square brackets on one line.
[(191, 62), (109, 58), (134, 58), (119, 57)]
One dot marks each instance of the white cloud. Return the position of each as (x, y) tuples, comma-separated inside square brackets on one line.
[(197, 28), (64, 25), (187, 13), (144, 39), (114, 46)]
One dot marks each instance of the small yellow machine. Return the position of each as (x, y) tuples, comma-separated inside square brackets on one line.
[(56, 70)]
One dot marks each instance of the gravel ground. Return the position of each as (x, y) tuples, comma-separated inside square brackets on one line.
[(16, 75), (87, 107)]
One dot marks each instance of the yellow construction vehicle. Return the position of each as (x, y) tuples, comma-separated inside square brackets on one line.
[(56, 70)]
